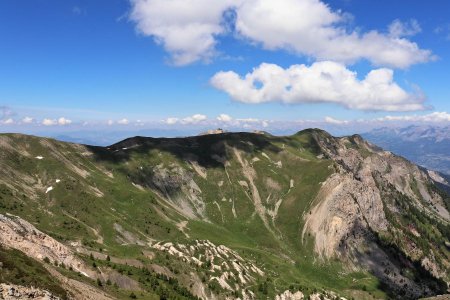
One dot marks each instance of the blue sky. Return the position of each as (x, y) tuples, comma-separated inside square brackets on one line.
[(76, 65)]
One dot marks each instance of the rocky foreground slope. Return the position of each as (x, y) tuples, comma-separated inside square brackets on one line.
[(221, 216)]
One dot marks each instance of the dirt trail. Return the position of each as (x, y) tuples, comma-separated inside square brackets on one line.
[(95, 231)]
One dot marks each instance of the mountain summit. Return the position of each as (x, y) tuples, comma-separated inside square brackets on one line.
[(221, 216)]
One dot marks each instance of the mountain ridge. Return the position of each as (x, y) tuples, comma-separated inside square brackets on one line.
[(318, 213)]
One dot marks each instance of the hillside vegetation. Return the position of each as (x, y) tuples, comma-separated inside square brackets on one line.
[(222, 216)]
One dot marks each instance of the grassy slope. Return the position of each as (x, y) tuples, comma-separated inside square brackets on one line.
[(17, 268), (70, 212)]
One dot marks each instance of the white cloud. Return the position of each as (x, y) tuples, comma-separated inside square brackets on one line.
[(221, 120), (254, 123), (139, 123), (194, 119), (224, 118), (249, 120), (123, 122), (8, 121), (189, 32), (63, 121), (334, 121), (402, 29), (49, 122), (185, 28), (311, 28), (324, 81), (171, 121), (27, 120), (434, 117), (110, 122)]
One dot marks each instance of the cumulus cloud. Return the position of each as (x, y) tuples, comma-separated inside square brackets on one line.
[(49, 122), (189, 32), (123, 122), (322, 82), (311, 28), (194, 119), (334, 121), (398, 28), (187, 29), (63, 121), (248, 120), (8, 121), (228, 121), (171, 121), (139, 123), (224, 118), (27, 120)]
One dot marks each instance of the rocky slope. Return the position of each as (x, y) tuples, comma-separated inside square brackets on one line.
[(222, 216), (15, 292)]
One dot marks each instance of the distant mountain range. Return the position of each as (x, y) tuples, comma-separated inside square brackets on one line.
[(428, 146)]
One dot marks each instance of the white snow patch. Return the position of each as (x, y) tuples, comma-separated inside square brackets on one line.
[(58, 180), (49, 189), (39, 157)]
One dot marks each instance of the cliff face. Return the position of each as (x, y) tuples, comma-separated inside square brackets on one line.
[(377, 202), (227, 216)]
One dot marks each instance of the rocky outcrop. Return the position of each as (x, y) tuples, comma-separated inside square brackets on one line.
[(223, 265), (288, 295), (17, 292), (18, 234), (176, 185), (349, 213)]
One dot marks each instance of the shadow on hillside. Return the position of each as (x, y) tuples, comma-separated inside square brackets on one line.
[(203, 149), (384, 259)]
